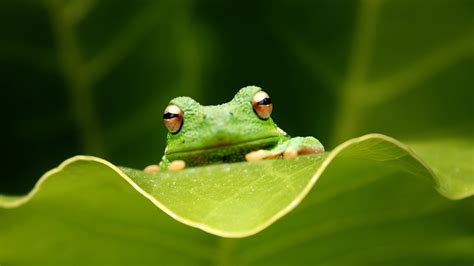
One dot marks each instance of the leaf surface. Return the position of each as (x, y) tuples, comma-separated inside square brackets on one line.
[(88, 206)]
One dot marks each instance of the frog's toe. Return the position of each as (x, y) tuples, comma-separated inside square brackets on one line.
[(290, 153), (152, 169), (260, 155), (177, 165), (255, 155)]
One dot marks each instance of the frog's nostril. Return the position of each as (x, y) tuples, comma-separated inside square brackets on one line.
[(231, 114)]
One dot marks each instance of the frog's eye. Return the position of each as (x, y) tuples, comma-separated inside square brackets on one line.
[(262, 104), (173, 118)]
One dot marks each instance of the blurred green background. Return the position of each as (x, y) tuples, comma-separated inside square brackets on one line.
[(93, 77)]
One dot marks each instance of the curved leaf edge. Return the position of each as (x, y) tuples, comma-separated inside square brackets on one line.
[(9, 202)]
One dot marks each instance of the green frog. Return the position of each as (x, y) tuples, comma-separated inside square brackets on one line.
[(239, 130)]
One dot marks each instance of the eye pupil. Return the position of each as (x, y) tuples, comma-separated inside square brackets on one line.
[(169, 115), (265, 101)]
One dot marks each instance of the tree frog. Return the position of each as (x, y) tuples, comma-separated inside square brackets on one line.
[(239, 130)]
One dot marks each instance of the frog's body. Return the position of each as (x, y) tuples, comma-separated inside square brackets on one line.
[(235, 131)]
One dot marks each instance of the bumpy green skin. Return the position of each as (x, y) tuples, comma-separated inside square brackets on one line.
[(227, 132)]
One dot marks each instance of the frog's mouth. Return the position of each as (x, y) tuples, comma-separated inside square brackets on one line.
[(223, 152)]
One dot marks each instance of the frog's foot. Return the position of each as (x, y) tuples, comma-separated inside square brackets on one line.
[(152, 169), (288, 149), (177, 165)]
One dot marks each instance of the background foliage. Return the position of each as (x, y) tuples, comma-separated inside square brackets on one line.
[(92, 77)]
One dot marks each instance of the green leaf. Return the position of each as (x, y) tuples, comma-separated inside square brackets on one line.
[(88, 210)]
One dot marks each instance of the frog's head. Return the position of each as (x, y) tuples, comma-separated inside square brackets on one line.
[(220, 132)]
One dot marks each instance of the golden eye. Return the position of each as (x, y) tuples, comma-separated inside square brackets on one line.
[(262, 104), (173, 118)]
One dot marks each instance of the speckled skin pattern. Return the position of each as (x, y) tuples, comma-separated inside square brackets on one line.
[(226, 132)]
